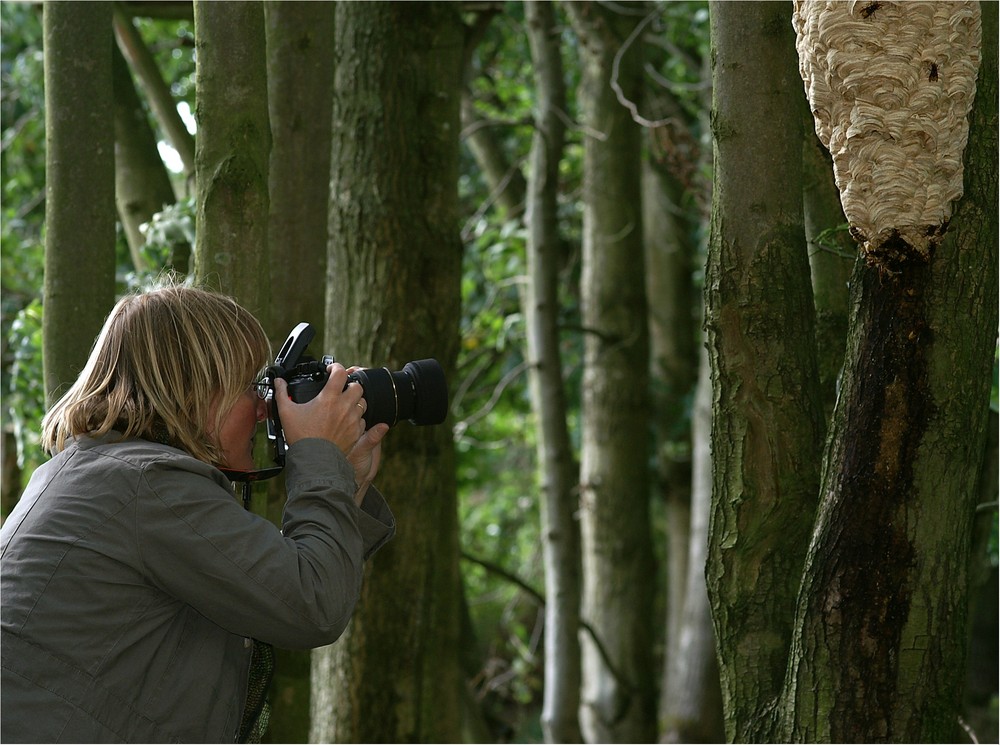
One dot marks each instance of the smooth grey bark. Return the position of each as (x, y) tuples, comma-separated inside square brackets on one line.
[(79, 283), (232, 152), (767, 418), (142, 186), (557, 465), (618, 700), (394, 290)]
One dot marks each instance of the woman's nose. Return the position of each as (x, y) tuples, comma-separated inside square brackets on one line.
[(261, 410)]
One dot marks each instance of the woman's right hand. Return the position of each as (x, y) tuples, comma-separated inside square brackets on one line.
[(334, 414)]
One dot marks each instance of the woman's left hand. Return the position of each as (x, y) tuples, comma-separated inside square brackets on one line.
[(365, 456)]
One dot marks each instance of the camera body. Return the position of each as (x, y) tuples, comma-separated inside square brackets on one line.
[(418, 392), (307, 379)]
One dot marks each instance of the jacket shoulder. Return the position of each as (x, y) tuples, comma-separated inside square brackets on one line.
[(141, 456)]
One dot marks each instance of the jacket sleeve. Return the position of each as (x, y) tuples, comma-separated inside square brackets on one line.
[(294, 588)]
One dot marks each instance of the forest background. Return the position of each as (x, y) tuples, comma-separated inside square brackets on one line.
[(467, 181)]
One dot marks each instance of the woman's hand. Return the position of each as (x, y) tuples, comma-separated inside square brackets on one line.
[(365, 456), (335, 414)]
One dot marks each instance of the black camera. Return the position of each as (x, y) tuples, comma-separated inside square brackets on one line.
[(418, 392)]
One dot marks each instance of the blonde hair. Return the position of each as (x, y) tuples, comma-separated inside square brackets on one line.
[(167, 361)]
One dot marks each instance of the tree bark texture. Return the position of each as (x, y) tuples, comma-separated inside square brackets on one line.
[(142, 186), (880, 645), (619, 703), (232, 152), (558, 468), (300, 103), (394, 274), (767, 424), (79, 188)]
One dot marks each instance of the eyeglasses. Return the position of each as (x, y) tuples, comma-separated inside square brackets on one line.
[(261, 387)]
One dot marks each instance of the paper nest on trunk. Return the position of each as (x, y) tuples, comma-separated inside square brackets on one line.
[(890, 85)]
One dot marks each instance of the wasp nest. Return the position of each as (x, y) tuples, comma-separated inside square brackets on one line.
[(890, 85)]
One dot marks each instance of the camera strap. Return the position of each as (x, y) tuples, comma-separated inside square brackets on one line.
[(247, 478)]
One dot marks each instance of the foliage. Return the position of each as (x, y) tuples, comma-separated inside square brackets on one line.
[(169, 238), (499, 76), (495, 443), (171, 42), (25, 395), (22, 172), (496, 435), (495, 432), (495, 440), (681, 32), (171, 45)]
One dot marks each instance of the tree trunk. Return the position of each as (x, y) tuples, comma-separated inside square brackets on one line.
[(12, 479), (300, 98), (673, 304), (157, 91), (142, 186), (300, 102), (505, 178), (618, 695), (232, 151), (880, 645), (535, 201), (690, 699), (767, 422), (984, 614), (393, 295), (831, 257), (670, 291), (80, 186), (691, 709), (558, 468)]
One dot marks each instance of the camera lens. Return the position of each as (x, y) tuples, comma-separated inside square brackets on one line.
[(418, 392)]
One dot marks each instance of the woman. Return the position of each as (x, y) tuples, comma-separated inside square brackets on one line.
[(133, 582)]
